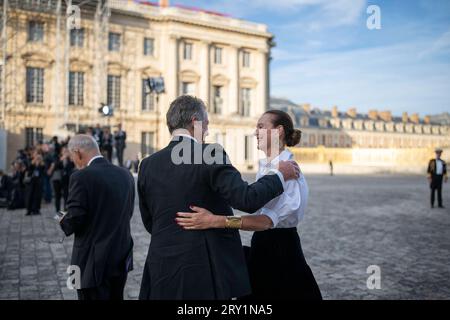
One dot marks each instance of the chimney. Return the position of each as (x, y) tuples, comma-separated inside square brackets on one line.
[(307, 107), (352, 112), (373, 114), (334, 112), (427, 119), (386, 116), (405, 117), (415, 118), (163, 3)]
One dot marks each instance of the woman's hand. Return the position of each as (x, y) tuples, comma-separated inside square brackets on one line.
[(200, 219)]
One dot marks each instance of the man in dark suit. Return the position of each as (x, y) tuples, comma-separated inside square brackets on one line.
[(199, 264), (437, 172), (100, 206), (120, 138)]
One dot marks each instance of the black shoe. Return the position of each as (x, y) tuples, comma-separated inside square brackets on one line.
[(442, 207), (36, 213), (28, 213)]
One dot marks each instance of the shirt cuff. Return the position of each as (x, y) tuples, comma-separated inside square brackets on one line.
[(272, 216), (278, 173)]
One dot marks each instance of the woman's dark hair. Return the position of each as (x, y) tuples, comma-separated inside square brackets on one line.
[(280, 118)]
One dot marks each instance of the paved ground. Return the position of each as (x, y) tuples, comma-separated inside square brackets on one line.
[(352, 222)]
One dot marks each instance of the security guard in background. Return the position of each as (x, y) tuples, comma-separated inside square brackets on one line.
[(437, 172)]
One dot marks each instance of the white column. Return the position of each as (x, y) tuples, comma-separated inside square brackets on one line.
[(234, 81), (205, 78)]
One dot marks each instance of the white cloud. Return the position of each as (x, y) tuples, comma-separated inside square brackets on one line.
[(325, 13), (441, 44), (389, 77)]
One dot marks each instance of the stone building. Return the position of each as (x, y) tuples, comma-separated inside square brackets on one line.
[(376, 138), (58, 69)]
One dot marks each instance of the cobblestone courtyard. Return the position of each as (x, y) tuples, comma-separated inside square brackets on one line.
[(352, 222)]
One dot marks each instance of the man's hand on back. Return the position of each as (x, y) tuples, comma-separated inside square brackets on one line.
[(289, 169)]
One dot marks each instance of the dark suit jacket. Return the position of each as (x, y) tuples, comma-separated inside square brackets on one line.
[(195, 264), (120, 139), (100, 206), (432, 167)]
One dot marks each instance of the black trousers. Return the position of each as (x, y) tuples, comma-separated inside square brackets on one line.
[(34, 195), (107, 152), (278, 269), (119, 152), (110, 289), (436, 185), (61, 189), (57, 188)]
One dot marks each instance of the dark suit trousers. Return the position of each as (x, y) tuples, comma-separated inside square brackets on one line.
[(110, 289), (436, 185), (119, 152), (34, 195)]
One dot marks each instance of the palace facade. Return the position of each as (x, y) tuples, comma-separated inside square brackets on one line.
[(58, 69), (356, 141)]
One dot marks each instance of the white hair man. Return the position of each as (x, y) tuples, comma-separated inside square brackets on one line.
[(100, 206)]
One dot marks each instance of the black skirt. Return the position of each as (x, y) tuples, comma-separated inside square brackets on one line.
[(277, 267)]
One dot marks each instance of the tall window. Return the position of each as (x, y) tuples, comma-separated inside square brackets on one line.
[(147, 143), (246, 59), (76, 37), (248, 148), (35, 31), (32, 136), (187, 51), (148, 46), (245, 102), (188, 88), (35, 85), (113, 93), (148, 98), (218, 101), (114, 41), (76, 88), (217, 55), (312, 140)]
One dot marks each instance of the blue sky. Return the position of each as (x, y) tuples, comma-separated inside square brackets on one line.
[(325, 55)]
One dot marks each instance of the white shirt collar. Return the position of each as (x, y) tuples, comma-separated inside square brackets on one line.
[(178, 134), (283, 156), (92, 159)]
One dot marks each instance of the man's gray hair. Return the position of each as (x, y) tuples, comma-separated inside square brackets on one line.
[(182, 110), (83, 142)]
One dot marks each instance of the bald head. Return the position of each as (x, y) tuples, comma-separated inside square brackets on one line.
[(83, 148)]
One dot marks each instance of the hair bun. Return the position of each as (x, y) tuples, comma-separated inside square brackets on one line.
[(294, 138)]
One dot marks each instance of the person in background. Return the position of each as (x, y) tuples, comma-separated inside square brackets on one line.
[(136, 164), (97, 133), (5, 189), (331, 168), (47, 155), (55, 174), (68, 167), (107, 146), (120, 138), (18, 187), (437, 172), (34, 184), (56, 146)]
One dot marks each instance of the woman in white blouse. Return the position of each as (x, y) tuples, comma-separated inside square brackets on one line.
[(277, 267)]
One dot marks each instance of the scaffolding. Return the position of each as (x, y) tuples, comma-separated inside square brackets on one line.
[(59, 12)]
